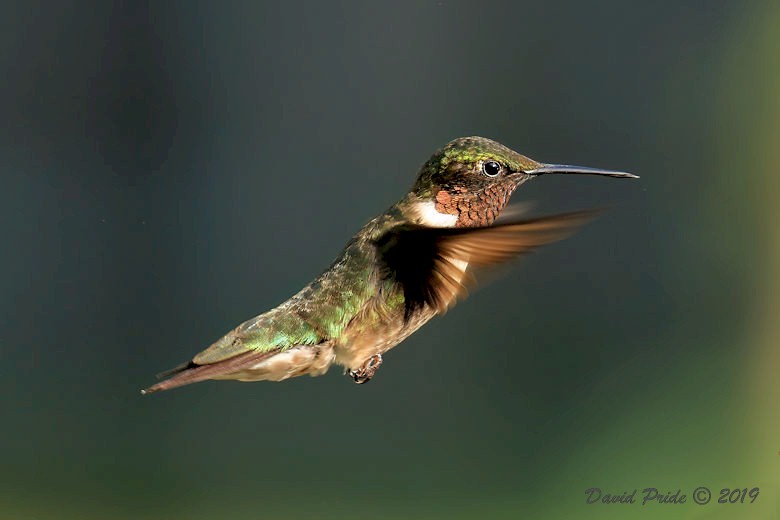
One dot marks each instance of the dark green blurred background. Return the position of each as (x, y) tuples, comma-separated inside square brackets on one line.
[(169, 170)]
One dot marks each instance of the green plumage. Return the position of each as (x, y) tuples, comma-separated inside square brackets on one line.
[(323, 309)]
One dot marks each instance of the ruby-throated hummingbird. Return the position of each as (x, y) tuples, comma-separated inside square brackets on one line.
[(404, 267)]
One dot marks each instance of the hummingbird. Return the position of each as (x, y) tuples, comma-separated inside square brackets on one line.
[(407, 265)]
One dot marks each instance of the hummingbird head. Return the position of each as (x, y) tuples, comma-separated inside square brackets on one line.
[(469, 181)]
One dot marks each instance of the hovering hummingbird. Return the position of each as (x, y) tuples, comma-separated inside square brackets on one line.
[(404, 267)]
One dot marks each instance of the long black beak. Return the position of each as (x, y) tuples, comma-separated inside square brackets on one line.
[(547, 169)]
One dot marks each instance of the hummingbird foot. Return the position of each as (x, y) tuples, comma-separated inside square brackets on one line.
[(366, 371)]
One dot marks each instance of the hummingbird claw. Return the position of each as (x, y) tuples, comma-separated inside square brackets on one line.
[(366, 371)]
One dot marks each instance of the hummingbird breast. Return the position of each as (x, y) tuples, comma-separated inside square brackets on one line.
[(376, 330)]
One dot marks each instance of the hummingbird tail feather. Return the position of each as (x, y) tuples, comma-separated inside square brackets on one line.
[(175, 370), (190, 372)]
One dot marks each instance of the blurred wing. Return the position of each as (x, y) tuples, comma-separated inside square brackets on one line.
[(433, 264), (515, 212)]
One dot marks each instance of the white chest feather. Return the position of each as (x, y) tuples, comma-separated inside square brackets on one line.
[(426, 215)]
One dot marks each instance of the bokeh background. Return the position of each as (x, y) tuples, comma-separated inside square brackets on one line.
[(170, 169)]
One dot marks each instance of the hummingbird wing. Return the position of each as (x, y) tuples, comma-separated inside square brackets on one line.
[(431, 263)]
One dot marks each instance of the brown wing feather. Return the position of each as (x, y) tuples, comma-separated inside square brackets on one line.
[(429, 262), (491, 245)]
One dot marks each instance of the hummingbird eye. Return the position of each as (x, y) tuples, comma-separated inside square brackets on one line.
[(491, 168)]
